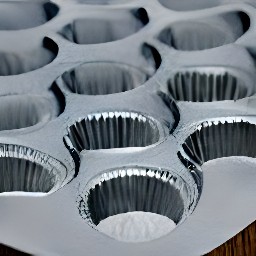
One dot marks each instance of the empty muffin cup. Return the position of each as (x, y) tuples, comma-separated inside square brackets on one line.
[(223, 138), (22, 111), (107, 27), (209, 84), (24, 169), (17, 15), (103, 78), (206, 33), (17, 61), (109, 130)]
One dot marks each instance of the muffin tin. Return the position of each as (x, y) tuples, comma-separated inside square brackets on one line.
[(127, 127)]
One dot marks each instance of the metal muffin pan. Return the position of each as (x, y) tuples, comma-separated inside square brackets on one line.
[(127, 127)]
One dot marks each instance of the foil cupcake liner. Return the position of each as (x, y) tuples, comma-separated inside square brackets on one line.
[(131, 189), (207, 85), (113, 130), (217, 139), (25, 169)]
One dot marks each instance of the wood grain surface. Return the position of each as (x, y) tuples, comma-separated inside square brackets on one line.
[(243, 244)]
